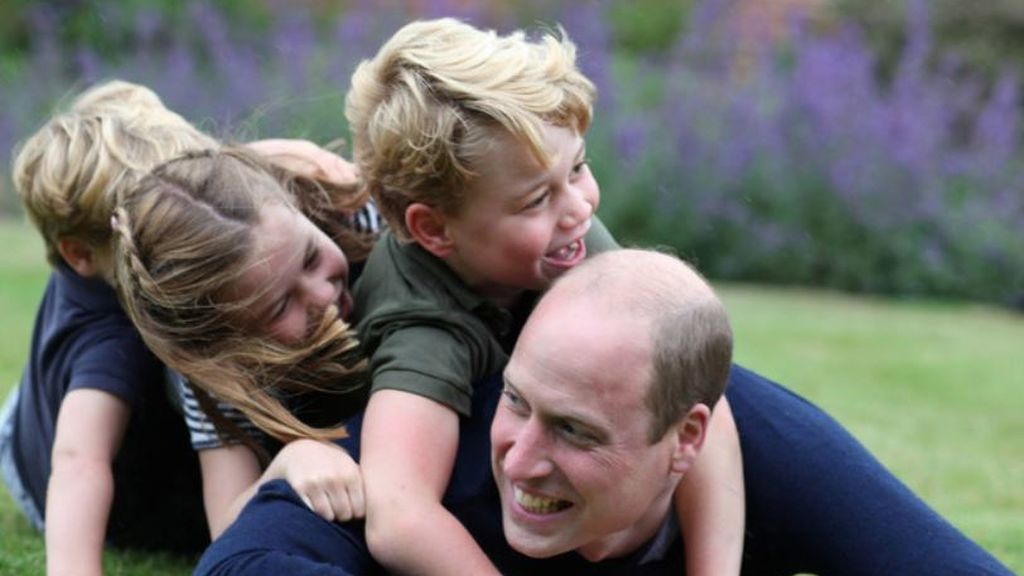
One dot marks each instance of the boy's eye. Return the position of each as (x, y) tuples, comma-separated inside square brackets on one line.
[(579, 166), (537, 201)]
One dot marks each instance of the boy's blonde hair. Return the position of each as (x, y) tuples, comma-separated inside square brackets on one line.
[(68, 173), (183, 236), (428, 105)]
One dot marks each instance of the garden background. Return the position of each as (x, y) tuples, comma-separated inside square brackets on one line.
[(865, 146)]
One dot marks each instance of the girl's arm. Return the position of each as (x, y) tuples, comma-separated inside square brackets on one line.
[(710, 501), (230, 477), (90, 426), (408, 451), (321, 473)]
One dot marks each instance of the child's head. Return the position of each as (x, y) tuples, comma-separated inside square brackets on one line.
[(430, 103), (455, 125), (68, 173), (231, 284)]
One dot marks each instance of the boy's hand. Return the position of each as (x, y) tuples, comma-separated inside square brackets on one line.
[(324, 475), (306, 158)]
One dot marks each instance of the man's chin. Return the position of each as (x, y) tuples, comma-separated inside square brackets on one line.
[(533, 545)]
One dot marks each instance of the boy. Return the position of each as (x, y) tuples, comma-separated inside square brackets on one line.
[(91, 443), (472, 145)]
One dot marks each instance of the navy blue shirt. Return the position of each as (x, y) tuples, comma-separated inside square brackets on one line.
[(83, 339)]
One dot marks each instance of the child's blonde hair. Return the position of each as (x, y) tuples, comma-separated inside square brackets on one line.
[(68, 173), (428, 104), (184, 234)]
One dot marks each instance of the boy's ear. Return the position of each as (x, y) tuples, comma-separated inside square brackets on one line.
[(427, 226), (690, 434), (79, 256)]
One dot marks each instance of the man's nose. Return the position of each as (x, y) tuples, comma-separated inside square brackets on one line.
[(528, 454)]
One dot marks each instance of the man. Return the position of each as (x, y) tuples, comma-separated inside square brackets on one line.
[(601, 410)]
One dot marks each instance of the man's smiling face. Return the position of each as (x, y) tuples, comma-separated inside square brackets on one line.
[(570, 448)]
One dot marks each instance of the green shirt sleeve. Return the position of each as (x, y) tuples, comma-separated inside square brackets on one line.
[(429, 361), (599, 239)]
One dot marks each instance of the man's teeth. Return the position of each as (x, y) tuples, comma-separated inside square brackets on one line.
[(539, 504)]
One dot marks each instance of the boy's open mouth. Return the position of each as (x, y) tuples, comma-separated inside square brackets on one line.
[(567, 256)]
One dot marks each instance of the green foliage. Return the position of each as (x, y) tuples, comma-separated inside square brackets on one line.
[(652, 26)]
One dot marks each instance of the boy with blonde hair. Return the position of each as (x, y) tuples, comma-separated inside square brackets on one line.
[(472, 144), (89, 440)]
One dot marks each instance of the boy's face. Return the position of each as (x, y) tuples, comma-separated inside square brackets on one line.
[(523, 223)]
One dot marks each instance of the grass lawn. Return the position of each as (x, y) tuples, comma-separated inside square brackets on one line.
[(931, 388)]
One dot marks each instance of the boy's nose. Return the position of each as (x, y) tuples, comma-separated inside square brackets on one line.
[(580, 208)]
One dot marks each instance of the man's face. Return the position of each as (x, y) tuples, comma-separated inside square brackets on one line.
[(570, 448)]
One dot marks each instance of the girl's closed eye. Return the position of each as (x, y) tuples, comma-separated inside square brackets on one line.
[(311, 257), (279, 308)]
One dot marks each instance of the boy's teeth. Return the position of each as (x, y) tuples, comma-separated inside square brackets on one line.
[(566, 252), (539, 504)]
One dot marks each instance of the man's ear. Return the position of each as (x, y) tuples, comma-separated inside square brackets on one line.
[(79, 256), (690, 434), (427, 226)]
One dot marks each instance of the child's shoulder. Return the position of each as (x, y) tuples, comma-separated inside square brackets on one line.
[(402, 276)]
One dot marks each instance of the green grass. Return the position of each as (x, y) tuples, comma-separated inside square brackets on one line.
[(931, 388)]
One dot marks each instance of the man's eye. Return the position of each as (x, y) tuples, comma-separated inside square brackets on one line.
[(575, 434), (511, 397)]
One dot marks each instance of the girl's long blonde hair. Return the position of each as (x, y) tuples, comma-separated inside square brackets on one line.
[(182, 237)]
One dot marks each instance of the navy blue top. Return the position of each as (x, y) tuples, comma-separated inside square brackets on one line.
[(83, 339)]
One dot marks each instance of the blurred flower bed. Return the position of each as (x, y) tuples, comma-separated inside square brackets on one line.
[(790, 161)]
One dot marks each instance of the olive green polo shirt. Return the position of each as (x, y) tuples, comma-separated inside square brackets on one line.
[(426, 332)]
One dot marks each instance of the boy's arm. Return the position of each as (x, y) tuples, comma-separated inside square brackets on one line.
[(409, 444), (710, 501), (90, 426)]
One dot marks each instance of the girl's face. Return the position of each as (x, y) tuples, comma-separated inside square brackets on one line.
[(297, 272)]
